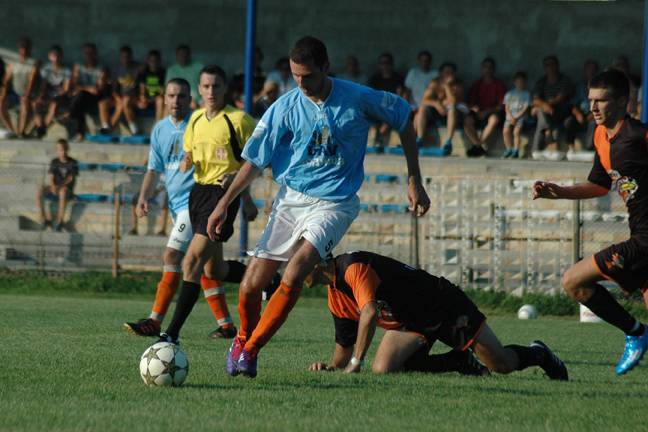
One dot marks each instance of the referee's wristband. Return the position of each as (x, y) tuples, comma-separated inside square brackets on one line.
[(356, 362)]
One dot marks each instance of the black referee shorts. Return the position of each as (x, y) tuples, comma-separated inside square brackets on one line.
[(202, 202)]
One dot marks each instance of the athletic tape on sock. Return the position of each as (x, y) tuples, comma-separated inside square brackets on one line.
[(172, 269), (214, 291)]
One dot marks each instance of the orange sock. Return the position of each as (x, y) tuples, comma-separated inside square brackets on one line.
[(250, 314), (275, 314), (166, 290), (215, 296)]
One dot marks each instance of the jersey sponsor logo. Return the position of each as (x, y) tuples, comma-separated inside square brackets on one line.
[(626, 186), (221, 153), (462, 321), (322, 150), (176, 148), (617, 261)]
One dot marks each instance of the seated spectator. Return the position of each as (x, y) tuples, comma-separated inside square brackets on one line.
[(188, 70), (485, 100), (517, 104), (282, 76), (623, 64), (443, 101), (237, 86), (352, 71), (418, 79), (54, 90), (63, 171), (90, 89), (390, 81), (551, 104), (270, 95), (19, 87), (151, 85), (581, 112), (125, 89)]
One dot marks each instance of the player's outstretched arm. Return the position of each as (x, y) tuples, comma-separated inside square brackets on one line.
[(151, 179), (584, 190), (243, 179), (416, 194), (341, 358), (366, 330)]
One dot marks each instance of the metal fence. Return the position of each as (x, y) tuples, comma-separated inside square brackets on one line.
[(480, 231)]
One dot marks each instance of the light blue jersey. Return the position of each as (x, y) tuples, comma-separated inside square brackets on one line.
[(319, 149), (165, 157)]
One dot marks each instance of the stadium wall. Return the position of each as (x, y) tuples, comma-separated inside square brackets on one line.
[(518, 34)]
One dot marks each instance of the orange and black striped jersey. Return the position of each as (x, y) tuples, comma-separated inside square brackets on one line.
[(624, 158), (403, 294)]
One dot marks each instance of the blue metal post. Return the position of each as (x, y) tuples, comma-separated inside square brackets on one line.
[(644, 88), (250, 43)]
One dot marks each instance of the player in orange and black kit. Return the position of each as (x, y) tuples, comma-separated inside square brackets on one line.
[(622, 156), (416, 308)]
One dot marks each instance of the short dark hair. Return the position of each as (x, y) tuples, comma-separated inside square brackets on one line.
[(613, 81), (25, 42), (446, 64), (520, 74), (90, 45), (126, 49), (64, 143), (281, 62), (551, 57), (422, 53), (388, 55), (309, 48), (56, 48), (183, 47), (214, 70), (488, 59), (181, 82), (155, 53)]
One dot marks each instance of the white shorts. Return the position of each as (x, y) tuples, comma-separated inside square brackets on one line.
[(296, 216), (181, 234)]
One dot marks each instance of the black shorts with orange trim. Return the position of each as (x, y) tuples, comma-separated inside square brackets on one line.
[(625, 263), (458, 328), (202, 202)]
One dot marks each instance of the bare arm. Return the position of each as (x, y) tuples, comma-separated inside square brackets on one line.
[(32, 78), (418, 198), (584, 190), (5, 81), (151, 179), (366, 331)]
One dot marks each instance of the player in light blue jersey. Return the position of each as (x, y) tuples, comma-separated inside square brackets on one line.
[(165, 157), (315, 137)]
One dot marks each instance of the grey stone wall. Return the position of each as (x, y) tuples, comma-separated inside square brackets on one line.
[(518, 34)]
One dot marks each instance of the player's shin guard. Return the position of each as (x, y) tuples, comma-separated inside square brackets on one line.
[(276, 313), (528, 356), (235, 273), (604, 305), (186, 301), (166, 290), (215, 296), (249, 314)]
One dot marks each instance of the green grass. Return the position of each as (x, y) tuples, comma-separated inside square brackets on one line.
[(68, 364)]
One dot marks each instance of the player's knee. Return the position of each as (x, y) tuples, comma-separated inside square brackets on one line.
[(570, 283), (250, 288), (172, 257)]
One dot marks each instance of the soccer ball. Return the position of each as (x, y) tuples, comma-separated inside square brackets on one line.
[(527, 312), (164, 364)]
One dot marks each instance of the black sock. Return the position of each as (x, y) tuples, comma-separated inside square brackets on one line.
[(603, 304), (421, 361), (235, 273), (529, 356), (186, 300)]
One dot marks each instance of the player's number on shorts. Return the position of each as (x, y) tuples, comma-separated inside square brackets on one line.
[(182, 227)]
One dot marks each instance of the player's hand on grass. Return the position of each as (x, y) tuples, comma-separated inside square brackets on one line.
[(216, 220), (142, 208), (321, 367), (546, 190), (352, 369), (418, 198)]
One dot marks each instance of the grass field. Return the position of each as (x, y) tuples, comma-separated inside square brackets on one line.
[(68, 364)]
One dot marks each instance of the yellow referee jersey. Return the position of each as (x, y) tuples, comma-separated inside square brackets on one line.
[(210, 141)]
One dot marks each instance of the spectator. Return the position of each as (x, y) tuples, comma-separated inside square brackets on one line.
[(151, 85), (282, 76), (517, 104), (125, 90), (581, 112), (270, 95), (237, 87), (63, 171), (551, 104), (623, 64), (91, 89), (418, 78), (18, 86), (352, 71), (385, 80), (485, 99), (443, 101), (188, 70), (54, 90)]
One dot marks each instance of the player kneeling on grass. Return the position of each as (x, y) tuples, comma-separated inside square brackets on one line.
[(366, 290), (621, 156)]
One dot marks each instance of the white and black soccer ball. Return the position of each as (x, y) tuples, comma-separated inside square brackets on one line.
[(164, 364), (528, 312)]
